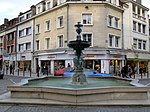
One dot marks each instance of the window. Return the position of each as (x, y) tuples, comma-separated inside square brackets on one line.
[(61, 1), (114, 41), (8, 49), (37, 28), (60, 41), (135, 43), (60, 21), (12, 48), (87, 19), (134, 26), (134, 8), (139, 44), (87, 37), (37, 45), (28, 46), (144, 28), (21, 33), (21, 18), (28, 31), (139, 27), (48, 5), (110, 20), (47, 43), (21, 47), (116, 22), (110, 40), (143, 13), (47, 25), (29, 15), (39, 9), (144, 45)]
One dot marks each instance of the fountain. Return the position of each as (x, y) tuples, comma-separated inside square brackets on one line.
[(60, 91), (78, 45)]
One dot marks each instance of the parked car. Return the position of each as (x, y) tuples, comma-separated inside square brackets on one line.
[(1, 73), (60, 72), (88, 72)]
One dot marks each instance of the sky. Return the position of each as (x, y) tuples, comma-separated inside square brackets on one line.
[(11, 8)]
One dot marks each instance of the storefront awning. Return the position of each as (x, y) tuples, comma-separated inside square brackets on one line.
[(137, 59)]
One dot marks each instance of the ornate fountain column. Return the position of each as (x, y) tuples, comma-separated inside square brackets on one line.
[(78, 45)]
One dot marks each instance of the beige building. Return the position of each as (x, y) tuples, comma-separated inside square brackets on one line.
[(102, 27)]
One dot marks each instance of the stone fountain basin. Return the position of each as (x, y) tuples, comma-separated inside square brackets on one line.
[(80, 95)]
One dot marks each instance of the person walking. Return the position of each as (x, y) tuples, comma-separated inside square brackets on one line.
[(38, 70), (126, 71), (122, 72), (10, 68), (130, 72)]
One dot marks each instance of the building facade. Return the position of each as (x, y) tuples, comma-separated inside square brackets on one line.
[(136, 34), (8, 46), (116, 29), (25, 33), (102, 27)]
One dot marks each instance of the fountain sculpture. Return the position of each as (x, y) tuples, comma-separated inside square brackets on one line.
[(78, 45)]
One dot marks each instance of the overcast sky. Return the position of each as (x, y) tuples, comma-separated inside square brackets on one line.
[(11, 8)]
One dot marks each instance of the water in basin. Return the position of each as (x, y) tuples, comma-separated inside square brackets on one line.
[(66, 83)]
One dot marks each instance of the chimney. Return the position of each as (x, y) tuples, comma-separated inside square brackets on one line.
[(6, 21), (33, 9), (139, 1)]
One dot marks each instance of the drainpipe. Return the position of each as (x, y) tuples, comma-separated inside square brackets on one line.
[(67, 23), (16, 67), (33, 36)]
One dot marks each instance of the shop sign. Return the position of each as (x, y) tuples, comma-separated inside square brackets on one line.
[(89, 57), (116, 56), (51, 56)]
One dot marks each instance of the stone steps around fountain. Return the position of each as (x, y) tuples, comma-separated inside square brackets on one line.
[(6, 99)]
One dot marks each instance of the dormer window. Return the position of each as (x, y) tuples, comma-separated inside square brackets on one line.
[(21, 18), (29, 15), (38, 9), (48, 5), (61, 1)]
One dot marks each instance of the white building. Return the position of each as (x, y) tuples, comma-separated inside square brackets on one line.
[(25, 33), (136, 33)]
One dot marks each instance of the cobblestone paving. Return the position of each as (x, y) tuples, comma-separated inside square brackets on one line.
[(37, 108)]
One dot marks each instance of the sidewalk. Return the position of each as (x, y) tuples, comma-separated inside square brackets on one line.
[(26, 74), (34, 75)]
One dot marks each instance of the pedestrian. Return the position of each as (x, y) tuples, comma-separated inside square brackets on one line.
[(69, 65), (10, 68), (130, 72), (122, 72), (126, 71), (38, 70)]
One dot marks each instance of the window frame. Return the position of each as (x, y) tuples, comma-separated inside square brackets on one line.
[(87, 37), (60, 38), (87, 15)]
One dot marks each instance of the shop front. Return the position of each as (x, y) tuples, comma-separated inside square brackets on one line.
[(138, 62)]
